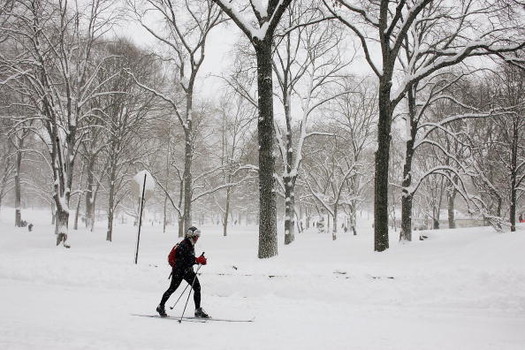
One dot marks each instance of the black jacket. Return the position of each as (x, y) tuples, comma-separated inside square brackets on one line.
[(185, 256)]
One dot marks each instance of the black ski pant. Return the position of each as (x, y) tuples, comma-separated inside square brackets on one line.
[(176, 278)]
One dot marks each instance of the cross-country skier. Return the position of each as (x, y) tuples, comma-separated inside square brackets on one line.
[(183, 270)]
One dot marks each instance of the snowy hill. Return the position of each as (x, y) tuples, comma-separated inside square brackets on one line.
[(459, 289)]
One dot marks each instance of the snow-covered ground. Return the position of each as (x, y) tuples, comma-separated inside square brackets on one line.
[(459, 289)]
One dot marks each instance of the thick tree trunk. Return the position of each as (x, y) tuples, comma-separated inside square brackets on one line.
[(63, 179), (382, 157), (61, 226), (267, 202), (406, 218)]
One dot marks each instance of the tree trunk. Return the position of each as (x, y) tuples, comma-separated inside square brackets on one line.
[(514, 175), (451, 208), (188, 159), (382, 157), (90, 202), (75, 226), (111, 203), (267, 202), (334, 228), (109, 233), (289, 210), (226, 210), (353, 217), (165, 214), (18, 194), (165, 206), (187, 187), (61, 226), (407, 197), (406, 218), (180, 223), (63, 179), (180, 217)]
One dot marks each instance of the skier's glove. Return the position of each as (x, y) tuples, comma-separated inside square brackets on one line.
[(201, 260)]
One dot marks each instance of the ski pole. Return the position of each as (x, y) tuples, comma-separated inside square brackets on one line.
[(184, 291), (188, 298), (180, 296)]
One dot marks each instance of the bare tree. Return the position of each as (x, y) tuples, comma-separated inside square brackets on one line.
[(261, 34), (500, 159), (355, 114), (6, 158), (308, 64), (327, 173), (238, 117), (187, 25), (53, 69), (513, 135), (18, 137), (125, 118), (466, 28), (6, 15)]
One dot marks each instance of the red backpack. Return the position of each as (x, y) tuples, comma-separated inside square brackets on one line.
[(172, 255)]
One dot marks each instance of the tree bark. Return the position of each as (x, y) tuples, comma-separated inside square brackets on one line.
[(289, 210), (267, 201), (407, 197), (451, 208), (188, 178), (111, 203), (90, 202), (334, 228), (226, 210), (61, 226), (75, 225), (18, 191), (514, 174), (382, 157)]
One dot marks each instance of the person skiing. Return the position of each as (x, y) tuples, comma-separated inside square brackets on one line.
[(182, 269)]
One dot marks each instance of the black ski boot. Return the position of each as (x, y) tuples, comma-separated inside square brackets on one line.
[(162, 311), (200, 313)]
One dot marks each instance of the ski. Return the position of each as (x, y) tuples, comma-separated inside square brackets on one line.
[(195, 319), (217, 319)]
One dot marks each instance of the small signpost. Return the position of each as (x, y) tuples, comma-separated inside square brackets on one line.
[(142, 186)]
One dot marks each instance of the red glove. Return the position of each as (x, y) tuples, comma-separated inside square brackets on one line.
[(201, 260)]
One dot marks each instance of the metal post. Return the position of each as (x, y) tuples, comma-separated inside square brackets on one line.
[(140, 218)]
